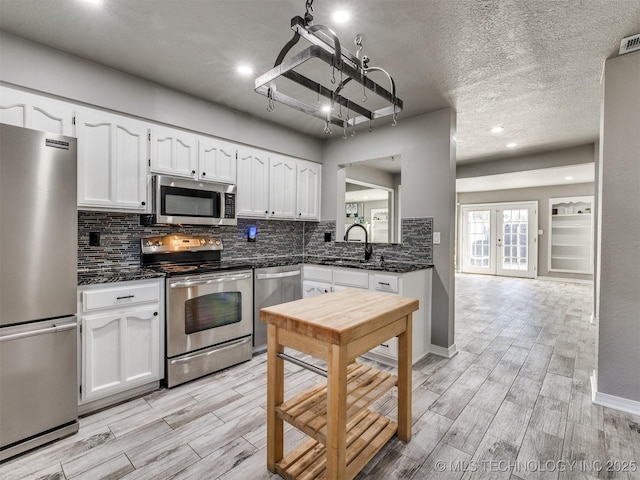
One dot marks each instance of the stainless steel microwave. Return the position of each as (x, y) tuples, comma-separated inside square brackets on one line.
[(190, 202)]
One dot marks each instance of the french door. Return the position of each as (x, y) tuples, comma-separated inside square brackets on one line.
[(500, 239)]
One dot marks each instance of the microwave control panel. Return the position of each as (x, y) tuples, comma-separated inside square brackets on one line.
[(229, 205)]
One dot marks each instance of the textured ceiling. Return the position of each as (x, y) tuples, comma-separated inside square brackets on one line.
[(532, 66)]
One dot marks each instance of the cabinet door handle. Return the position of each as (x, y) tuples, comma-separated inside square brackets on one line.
[(193, 172), (144, 203), (126, 296), (204, 174), (155, 314), (384, 345), (384, 283)]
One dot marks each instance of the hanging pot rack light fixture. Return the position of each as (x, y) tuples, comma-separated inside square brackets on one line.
[(326, 47)]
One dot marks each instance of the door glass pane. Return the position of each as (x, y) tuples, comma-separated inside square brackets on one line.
[(478, 233), (516, 242), (212, 310)]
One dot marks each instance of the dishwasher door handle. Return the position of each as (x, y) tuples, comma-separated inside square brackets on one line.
[(42, 331), (271, 276)]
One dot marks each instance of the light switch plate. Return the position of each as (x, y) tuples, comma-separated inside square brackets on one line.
[(436, 238), (540, 232)]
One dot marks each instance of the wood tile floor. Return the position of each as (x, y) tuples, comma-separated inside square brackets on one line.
[(514, 403)]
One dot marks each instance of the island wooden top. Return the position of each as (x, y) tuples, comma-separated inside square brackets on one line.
[(339, 317)]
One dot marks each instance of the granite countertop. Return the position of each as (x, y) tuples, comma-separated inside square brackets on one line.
[(114, 274), (395, 267)]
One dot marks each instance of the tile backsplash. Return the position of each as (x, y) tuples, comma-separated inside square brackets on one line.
[(120, 240), (417, 243)]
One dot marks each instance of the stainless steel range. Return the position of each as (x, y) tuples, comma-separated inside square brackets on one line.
[(209, 305)]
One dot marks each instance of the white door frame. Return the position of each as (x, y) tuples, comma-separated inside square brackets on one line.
[(493, 268)]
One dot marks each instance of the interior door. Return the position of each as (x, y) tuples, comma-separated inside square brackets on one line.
[(500, 239)]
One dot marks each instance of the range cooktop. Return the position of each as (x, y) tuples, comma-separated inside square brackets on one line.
[(185, 255)]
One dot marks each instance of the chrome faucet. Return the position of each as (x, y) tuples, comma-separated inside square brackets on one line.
[(368, 248)]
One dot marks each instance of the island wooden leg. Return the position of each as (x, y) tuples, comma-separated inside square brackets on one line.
[(404, 382), (337, 413), (275, 396)]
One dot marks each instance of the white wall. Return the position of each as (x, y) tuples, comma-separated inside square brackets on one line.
[(618, 371), (43, 69), (428, 190)]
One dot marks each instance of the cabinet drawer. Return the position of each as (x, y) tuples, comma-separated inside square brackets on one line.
[(386, 283), (389, 348), (312, 289), (119, 296), (351, 278), (322, 274)]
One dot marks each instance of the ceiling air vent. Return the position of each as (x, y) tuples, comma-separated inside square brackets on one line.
[(629, 44)]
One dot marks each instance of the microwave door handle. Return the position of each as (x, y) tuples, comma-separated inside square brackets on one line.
[(269, 276), (192, 283)]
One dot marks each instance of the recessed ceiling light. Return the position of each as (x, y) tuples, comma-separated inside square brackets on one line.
[(326, 108), (341, 16), (497, 129), (245, 70), (512, 145), (568, 178), (95, 2)]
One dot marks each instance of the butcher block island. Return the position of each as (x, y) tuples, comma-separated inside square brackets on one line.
[(336, 328)]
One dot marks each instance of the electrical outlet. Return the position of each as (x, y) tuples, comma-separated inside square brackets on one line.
[(436, 238), (327, 236), (94, 239)]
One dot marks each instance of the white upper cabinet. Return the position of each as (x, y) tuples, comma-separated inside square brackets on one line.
[(216, 160), (282, 187), (277, 186), (112, 159), (33, 111), (173, 152), (308, 191), (253, 183)]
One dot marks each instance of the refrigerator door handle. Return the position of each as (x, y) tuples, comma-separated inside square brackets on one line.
[(42, 331)]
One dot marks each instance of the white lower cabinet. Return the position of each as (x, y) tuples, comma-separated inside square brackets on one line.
[(122, 337), (417, 284)]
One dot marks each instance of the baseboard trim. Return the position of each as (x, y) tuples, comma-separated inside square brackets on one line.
[(443, 351), (611, 401), (565, 280)]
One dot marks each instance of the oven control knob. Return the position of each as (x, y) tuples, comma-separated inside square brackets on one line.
[(210, 242), (202, 241), (158, 243), (218, 242), (149, 243)]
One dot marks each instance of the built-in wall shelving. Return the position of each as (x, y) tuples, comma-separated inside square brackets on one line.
[(571, 235)]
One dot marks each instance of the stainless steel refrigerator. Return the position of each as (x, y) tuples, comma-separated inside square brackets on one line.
[(38, 281)]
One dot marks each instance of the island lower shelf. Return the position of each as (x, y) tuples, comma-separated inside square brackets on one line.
[(366, 435), (367, 431)]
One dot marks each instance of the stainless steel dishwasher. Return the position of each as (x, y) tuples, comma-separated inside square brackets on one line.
[(272, 286)]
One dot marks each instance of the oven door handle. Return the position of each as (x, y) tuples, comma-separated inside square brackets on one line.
[(192, 283), (210, 352)]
